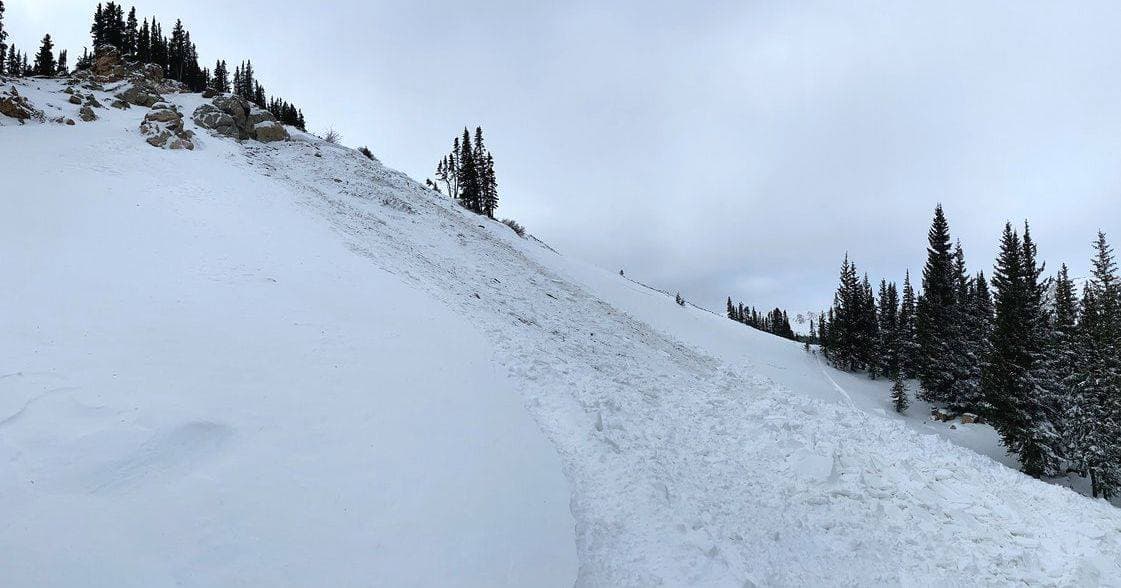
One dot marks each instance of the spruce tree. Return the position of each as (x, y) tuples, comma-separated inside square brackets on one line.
[(1062, 362), (61, 68), (144, 43), (907, 341), (1096, 424), (469, 193), (899, 398), (3, 39), (935, 314), (1020, 407), (97, 30), (888, 315), (44, 60), (132, 34)]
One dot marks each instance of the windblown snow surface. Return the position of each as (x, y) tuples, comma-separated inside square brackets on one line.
[(288, 365)]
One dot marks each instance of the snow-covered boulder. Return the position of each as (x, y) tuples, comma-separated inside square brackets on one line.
[(152, 72), (141, 94), (15, 106), (164, 129), (87, 114), (269, 131), (235, 117)]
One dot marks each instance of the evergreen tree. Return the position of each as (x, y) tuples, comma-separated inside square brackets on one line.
[(221, 80), (62, 69), (1021, 409), (469, 193), (1096, 424), (144, 43), (177, 52), (13, 62), (132, 34), (97, 30), (935, 314), (44, 60), (966, 331), (888, 314), (731, 309), (3, 39), (1063, 361), (899, 398), (845, 320)]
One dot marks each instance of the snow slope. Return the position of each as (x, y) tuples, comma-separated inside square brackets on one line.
[(201, 385), (289, 365)]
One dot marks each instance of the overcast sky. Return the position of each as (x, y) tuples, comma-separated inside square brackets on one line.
[(717, 148)]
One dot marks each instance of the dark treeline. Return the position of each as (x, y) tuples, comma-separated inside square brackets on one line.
[(467, 174), (144, 41), (775, 322), (1026, 352)]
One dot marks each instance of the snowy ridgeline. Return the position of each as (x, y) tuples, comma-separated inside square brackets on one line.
[(285, 364)]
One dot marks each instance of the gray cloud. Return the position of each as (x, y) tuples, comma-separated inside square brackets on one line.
[(720, 147)]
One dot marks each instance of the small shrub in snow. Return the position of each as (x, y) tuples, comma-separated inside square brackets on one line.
[(332, 136), (366, 151), (515, 225)]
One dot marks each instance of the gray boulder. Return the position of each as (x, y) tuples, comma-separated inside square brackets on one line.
[(140, 94), (87, 114), (211, 117), (269, 131), (235, 117), (164, 129)]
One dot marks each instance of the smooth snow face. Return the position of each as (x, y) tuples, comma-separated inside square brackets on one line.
[(697, 451), (200, 385)]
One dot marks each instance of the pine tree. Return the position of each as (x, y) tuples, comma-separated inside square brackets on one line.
[(177, 52), (1062, 362), (3, 39), (731, 309), (489, 187), (1021, 409), (44, 60), (899, 398), (469, 193), (132, 35), (144, 43), (13, 62), (97, 30), (964, 393), (935, 314), (62, 69), (888, 346), (1096, 424), (845, 320), (221, 80)]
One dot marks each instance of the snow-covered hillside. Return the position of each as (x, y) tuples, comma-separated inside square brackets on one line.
[(286, 364)]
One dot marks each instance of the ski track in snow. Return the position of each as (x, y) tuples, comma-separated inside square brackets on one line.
[(688, 471)]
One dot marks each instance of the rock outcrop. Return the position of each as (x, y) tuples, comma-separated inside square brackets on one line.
[(235, 117), (164, 128), (87, 114), (18, 107), (108, 64), (141, 93)]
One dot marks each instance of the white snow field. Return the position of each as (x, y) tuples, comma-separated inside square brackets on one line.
[(288, 365)]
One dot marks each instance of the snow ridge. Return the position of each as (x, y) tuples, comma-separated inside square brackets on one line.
[(689, 471)]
